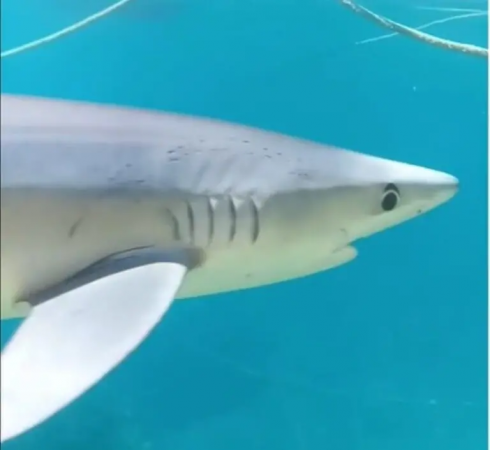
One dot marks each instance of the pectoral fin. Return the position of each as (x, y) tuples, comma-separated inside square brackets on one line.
[(70, 342)]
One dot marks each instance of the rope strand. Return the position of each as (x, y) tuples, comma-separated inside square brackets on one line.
[(64, 31), (384, 22)]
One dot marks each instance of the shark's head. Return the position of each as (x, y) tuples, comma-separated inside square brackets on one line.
[(391, 193), (357, 195)]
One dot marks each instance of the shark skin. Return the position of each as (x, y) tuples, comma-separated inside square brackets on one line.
[(108, 214)]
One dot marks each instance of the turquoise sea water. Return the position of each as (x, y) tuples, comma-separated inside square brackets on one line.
[(386, 353)]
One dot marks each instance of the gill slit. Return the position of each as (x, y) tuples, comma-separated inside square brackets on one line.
[(211, 218), (255, 220), (233, 218), (175, 225), (191, 221)]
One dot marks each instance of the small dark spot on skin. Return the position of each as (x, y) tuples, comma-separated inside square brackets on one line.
[(74, 228), (128, 165), (278, 153), (170, 152), (419, 211), (268, 156), (265, 149), (246, 142), (302, 175), (248, 275), (174, 159)]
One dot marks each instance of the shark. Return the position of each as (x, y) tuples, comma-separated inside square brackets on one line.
[(110, 214)]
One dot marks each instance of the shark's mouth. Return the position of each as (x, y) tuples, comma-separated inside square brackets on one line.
[(344, 241), (343, 256)]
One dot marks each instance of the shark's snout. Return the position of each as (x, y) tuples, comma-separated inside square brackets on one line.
[(418, 185), (442, 187), (439, 179), (448, 188)]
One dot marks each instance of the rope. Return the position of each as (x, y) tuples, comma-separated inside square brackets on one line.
[(459, 47), (64, 31), (426, 25)]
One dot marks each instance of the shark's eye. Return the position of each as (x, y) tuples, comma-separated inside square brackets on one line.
[(391, 196)]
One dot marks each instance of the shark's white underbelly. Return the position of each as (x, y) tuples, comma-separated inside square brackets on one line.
[(45, 241)]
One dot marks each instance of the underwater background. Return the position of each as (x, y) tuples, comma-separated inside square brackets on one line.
[(387, 352)]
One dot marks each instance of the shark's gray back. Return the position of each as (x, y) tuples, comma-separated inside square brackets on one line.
[(88, 148)]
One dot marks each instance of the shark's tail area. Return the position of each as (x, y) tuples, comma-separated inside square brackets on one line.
[(70, 342), (416, 34)]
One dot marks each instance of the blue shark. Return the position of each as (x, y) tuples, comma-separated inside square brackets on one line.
[(109, 214)]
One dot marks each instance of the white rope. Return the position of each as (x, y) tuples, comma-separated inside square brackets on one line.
[(399, 28), (64, 31), (426, 25), (444, 9)]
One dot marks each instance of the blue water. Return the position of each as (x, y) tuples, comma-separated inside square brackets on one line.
[(387, 352)]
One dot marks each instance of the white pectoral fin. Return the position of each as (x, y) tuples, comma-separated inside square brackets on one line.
[(70, 342)]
